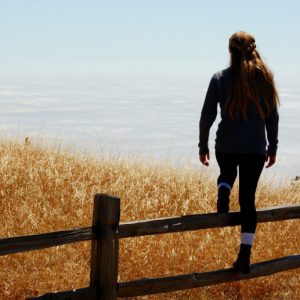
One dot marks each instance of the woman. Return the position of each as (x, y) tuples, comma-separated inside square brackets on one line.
[(248, 102)]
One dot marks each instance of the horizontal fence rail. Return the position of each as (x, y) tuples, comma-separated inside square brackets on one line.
[(204, 221), (146, 227), (41, 241), (88, 293), (147, 286), (106, 231)]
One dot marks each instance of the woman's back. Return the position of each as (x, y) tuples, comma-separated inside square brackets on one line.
[(236, 135)]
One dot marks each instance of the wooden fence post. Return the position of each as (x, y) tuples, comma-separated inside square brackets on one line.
[(105, 249)]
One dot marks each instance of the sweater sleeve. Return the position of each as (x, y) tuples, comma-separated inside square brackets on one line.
[(208, 114), (272, 131)]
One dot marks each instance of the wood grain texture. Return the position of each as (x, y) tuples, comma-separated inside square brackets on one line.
[(149, 286), (203, 221), (105, 248), (46, 240), (145, 227)]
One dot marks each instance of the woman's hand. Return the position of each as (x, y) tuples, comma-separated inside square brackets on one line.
[(271, 160), (204, 158)]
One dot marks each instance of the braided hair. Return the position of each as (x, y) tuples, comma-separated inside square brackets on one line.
[(251, 80)]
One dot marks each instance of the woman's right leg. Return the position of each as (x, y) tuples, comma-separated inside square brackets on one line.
[(228, 171)]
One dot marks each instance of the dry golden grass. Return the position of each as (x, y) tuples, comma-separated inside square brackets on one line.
[(44, 190)]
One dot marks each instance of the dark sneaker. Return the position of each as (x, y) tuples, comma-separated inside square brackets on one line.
[(243, 261)]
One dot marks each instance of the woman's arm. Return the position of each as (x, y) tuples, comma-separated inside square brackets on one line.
[(208, 115), (272, 134), (272, 131)]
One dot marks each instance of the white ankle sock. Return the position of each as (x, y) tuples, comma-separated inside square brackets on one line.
[(247, 238)]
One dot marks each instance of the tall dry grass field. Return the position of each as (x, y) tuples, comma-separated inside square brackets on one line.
[(44, 190)]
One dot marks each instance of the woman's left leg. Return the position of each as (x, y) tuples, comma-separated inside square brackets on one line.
[(250, 168)]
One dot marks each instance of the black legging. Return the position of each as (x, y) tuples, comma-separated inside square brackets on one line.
[(250, 168)]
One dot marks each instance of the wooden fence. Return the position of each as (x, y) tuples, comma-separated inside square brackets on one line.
[(106, 232)]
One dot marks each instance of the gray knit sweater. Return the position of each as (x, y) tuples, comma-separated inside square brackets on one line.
[(235, 136)]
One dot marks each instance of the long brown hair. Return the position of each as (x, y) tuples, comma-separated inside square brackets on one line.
[(251, 80)]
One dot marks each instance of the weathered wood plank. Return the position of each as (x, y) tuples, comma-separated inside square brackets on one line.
[(105, 248), (202, 221), (41, 241), (149, 286), (80, 294), (145, 227)]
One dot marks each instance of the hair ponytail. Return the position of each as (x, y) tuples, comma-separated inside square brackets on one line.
[(251, 79)]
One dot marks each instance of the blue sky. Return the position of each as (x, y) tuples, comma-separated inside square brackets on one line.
[(61, 38)]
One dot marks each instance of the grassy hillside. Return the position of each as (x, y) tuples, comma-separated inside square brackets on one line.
[(44, 190)]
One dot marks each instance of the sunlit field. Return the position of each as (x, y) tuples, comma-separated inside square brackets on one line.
[(44, 189)]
